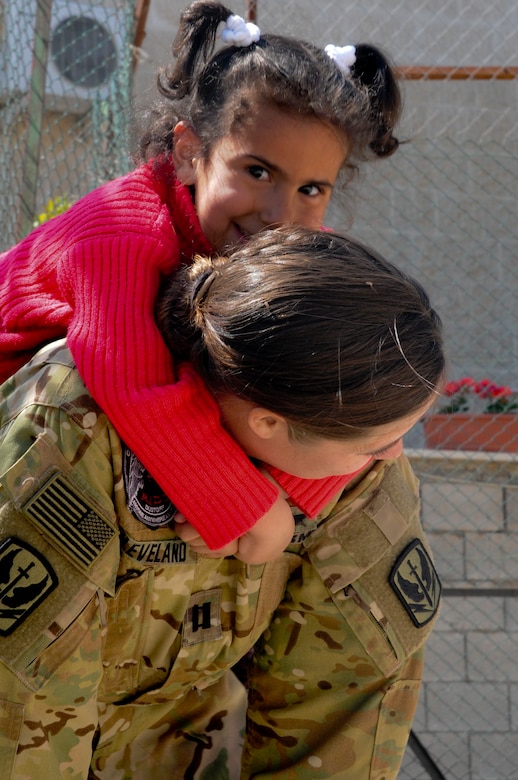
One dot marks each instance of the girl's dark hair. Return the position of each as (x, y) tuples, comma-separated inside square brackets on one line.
[(215, 92), (311, 325)]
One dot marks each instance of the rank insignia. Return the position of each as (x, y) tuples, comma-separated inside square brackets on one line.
[(26, 579), (416, 583), (202, 621)]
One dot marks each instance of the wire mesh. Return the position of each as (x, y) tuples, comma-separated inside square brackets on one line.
[(444, 209), (65, 100)]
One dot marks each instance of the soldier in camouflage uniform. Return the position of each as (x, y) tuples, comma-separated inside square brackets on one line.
[(117, 642)]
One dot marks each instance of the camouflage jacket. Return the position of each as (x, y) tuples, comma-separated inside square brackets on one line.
[(117, 642)]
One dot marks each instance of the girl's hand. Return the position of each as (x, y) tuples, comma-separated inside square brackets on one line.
[(269, 537), (263, 542), (189, 534), (266, 540)]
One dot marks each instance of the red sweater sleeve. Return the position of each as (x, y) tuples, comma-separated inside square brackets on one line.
[(311, 495), (170, 422)]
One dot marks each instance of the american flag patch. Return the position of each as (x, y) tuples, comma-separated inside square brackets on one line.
[(60, 510)]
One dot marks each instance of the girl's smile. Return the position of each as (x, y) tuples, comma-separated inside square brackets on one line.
[(277, 169)]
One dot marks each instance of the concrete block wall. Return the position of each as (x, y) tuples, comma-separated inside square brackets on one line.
[(468, 710)]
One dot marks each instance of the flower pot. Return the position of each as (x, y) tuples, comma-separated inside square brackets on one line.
[(459, 431)]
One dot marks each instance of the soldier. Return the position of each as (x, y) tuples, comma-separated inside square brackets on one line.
[(118, 638)]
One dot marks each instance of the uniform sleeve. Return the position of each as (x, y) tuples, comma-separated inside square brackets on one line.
[(56, 621), (318, 699), (322, 711), (170, 422)]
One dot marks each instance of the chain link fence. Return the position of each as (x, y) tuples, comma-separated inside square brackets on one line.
[(443, 208), (65, 96)]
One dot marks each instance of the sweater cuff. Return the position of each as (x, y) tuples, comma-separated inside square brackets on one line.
[(311, 495)]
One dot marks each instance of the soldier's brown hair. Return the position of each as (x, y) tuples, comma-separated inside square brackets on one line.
[(311, 325)]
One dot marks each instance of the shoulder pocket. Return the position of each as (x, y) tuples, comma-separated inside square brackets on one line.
[(57, 546), (377, 567)]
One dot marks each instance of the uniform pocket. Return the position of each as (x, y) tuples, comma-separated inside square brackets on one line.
[(47, 605), (395, 718), (374, 560), (127, 661)]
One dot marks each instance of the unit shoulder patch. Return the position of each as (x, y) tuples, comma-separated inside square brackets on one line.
[(146, 500), (416, 583), (26, 579)]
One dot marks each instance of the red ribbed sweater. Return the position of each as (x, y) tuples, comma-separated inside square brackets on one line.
[(93, 274)]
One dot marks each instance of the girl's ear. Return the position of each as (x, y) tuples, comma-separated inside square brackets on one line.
[(186, 148), (266, 424)]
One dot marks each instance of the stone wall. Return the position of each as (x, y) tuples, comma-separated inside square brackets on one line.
[(468, 710)]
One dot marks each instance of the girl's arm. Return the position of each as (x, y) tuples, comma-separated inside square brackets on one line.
[(169, 420)]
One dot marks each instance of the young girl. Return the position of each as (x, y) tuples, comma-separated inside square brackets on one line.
[(117, 642), (250, 137)]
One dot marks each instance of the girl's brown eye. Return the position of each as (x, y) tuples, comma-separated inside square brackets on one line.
[(311, 190), (258, 172)]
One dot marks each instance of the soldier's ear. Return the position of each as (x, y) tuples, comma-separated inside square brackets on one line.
[(186, 152), (266, 424)]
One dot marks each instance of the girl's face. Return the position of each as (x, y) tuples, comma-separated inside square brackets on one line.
[(278, 169), (265, 436)]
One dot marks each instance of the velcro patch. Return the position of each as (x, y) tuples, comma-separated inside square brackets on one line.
[(26, 579), (416, 583), (202, 621), (61, 511)]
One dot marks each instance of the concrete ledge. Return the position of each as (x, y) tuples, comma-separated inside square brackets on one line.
[(499, 468)]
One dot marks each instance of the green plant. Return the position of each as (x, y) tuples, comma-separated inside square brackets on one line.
[(53, 207)]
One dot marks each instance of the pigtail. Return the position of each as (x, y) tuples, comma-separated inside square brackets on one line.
[(193, 45), (373, 71)]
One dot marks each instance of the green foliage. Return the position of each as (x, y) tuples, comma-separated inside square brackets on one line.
[(53, 207)]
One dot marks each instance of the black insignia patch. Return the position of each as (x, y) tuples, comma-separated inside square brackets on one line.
[(146, 501), (26, 579), (63, 513), (202, 622), (416, 583)]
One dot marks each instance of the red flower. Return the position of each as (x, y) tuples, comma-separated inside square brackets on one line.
[(498, 398)]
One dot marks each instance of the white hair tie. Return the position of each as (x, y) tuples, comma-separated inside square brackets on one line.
[(240, 33), (343, 56)]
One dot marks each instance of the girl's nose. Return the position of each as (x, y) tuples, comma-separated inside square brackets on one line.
[(277, 210)]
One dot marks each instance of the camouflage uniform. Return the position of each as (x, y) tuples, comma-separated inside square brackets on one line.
[(117, 642)]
